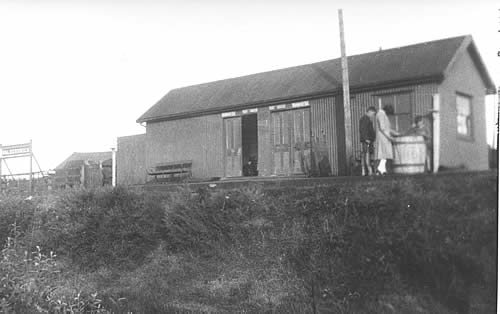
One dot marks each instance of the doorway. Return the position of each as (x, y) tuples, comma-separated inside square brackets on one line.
[(249, 141), (241, 151)]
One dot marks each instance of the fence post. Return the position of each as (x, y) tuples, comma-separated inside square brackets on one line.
[(113, 167), (31, 168), (436, 132)]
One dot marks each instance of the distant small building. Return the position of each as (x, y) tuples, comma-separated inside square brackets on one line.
[(84, 170), (292, 122)]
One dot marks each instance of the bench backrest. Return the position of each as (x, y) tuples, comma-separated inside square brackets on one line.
[(174, 165)]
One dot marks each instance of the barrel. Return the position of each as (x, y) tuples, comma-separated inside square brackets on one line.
[(409, 154)]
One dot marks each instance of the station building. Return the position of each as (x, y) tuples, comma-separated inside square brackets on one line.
[(292, 121)]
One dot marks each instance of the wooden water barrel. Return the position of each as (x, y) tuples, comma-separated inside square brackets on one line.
[(409, 154)]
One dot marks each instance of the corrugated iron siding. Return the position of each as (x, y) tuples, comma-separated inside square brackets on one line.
[(201, 138), (324, 132), (421, 103)]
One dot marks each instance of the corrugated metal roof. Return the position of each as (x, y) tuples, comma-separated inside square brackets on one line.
[(92, 156), (421, 61)]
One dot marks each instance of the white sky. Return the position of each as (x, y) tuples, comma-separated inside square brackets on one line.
[(74, 75)]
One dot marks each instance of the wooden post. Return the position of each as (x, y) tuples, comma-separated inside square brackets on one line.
[(347, 105), (496, 129), (31, 167), (113, 166), (435, 132), (497, 126), (82, 175)]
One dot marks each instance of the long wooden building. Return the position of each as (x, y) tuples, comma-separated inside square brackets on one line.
[(89, 170), (291, 121)]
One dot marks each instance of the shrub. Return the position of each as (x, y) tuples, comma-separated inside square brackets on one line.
[(28, 282), (97, 228), (205, 222), (367, 240), (351, 244), (18, 210), (400, 245)]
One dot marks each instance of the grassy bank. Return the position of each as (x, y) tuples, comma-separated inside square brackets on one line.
[(391, 246)]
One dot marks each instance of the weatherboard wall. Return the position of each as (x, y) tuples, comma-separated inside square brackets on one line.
[(131, 160), (457, 151), (198, 139)]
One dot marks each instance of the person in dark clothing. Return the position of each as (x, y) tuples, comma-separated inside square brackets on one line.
[(367, 137)]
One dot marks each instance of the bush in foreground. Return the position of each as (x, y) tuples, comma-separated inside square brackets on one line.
[(100, 228), (350, 246), (402, 245), (29, 283)]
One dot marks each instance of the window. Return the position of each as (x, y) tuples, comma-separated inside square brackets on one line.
[(464, 116), (401, 120)]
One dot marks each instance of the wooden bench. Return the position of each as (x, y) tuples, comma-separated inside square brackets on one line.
[(182, 168)]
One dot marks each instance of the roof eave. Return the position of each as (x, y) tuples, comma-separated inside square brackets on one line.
[(468, 45), (217, 110), (485, 75), (437, 78)]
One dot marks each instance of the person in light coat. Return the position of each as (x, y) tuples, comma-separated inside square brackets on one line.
[(384, 138)]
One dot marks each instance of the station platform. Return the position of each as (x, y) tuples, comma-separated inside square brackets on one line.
[(279, 182)]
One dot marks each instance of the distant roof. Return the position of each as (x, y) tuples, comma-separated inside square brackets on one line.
[(422, 62), (93, 156)]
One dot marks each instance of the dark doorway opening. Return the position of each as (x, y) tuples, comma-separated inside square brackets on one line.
[(249, 144)]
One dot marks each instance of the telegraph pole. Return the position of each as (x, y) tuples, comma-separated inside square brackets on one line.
[(347, 104)]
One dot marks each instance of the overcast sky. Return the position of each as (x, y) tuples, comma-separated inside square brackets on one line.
[(74, 75)]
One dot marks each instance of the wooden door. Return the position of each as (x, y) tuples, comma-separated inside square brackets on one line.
[(301, 141), (291, 141), (232, 129), (281, 141)]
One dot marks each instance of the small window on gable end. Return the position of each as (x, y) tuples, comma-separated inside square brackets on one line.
[(464, 116)]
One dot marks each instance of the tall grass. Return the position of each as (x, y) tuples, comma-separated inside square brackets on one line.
[(400, 246)]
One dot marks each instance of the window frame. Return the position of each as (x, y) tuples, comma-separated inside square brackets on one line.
[(408, 92), (470, 134)]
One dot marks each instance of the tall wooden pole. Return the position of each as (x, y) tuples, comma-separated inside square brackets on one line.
[(347, 104)]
